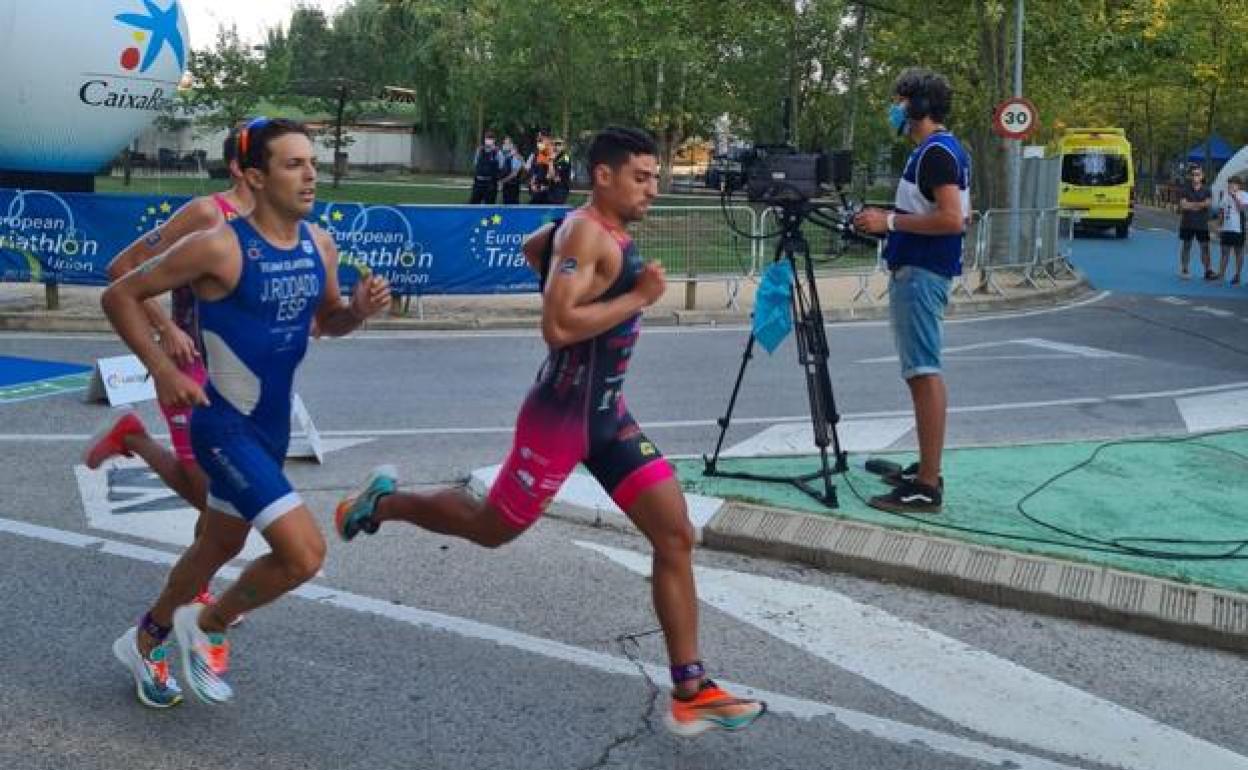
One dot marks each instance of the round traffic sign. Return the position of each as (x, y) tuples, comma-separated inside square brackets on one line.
[(1014, 118)]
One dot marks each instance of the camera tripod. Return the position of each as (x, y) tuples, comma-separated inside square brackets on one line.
[(812, 356)]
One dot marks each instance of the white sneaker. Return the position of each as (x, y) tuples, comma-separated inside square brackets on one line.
[(205, 657), (153, 682)]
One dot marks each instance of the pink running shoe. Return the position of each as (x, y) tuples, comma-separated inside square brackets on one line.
[(109, 440), (206, 598)]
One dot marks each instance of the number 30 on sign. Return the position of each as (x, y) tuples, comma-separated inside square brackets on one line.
[(1014, 118)]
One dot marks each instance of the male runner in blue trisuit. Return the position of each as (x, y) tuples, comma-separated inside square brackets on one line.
[(259, 282)]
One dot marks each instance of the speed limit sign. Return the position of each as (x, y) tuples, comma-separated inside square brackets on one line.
[(1014, 118)]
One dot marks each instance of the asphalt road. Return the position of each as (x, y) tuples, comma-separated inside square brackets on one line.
[(415, 651)]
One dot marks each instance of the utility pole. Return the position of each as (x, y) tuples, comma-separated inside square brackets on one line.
[(1015, 146)]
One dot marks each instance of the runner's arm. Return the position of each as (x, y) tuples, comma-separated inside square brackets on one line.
[(535, 244), (569, 312), (199, 214), (204, 255), (336, 316)]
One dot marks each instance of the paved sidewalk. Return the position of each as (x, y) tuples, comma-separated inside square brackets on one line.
[(24, 307)]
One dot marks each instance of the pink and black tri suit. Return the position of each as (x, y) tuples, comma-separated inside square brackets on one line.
[(575, 413)]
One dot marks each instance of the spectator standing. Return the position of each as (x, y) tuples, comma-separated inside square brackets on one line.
[(1194, 202), (486, 172), (513, 169), (1232, 205), (541, 173), (561, 179)]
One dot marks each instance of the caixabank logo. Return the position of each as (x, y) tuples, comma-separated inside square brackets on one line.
[(84, 77), (151, 35)]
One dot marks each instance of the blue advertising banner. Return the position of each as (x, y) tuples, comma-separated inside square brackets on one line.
[(70, 238)]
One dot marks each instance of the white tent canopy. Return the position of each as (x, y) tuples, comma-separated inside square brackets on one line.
[(1238, 164)]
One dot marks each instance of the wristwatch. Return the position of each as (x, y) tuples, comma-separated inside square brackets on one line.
[(892, 221)]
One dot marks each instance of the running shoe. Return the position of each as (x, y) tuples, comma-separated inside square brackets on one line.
[(355, 514), (153, 682), (711, 707), (909, 497), (206, 598), (109, 440), (205, 657)]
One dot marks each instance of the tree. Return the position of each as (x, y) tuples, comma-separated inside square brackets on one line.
[(228, 81)]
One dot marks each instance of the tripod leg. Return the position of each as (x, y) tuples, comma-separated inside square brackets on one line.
[(726, 420)]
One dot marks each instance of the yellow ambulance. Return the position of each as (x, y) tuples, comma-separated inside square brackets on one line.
[(1098, 178)]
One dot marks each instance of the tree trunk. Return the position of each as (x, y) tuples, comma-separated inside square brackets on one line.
[(989, 159), (663, 131), (860, 38)]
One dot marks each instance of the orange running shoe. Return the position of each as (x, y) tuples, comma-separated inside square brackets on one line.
[(205, 657), (711, 707), (109, 440)]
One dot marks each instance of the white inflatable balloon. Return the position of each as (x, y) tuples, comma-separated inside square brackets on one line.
[(84, 77)]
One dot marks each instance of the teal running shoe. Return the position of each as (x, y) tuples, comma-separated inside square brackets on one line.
[(153, 683), (355, 514)]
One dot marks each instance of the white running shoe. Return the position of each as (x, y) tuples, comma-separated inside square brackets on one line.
[(205, 657), (153, 682)]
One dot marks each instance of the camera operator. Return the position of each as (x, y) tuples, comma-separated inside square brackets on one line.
[(924, 253)]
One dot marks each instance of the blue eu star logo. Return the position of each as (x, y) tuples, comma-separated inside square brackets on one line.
[(162, 27)]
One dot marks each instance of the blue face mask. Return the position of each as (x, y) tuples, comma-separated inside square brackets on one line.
[(897, 117)]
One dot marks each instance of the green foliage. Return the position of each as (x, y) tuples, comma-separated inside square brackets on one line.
[(1168, 71)]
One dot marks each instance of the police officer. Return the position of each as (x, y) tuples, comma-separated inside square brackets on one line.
[(512, 170), (487, 168), (561, 183)]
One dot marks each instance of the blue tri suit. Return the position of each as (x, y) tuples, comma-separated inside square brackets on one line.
[(254, 339)]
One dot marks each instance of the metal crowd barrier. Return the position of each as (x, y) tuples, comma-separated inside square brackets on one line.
[(695, 244), (1032, 244)]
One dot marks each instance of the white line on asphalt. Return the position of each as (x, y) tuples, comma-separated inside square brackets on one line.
[(1214, 411), (506, 430), (1056, 350), (971, 687), (870, 724), (1008, 406)]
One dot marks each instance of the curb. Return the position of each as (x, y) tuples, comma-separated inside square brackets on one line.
[(1147, 605), (53, 321)]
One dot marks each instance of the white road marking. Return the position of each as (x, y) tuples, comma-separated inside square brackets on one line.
[(165, 518), (797, 438), (965, 685), (878, 727), (1215, 411), (1063, 349), (507, 430), (1213, 311)]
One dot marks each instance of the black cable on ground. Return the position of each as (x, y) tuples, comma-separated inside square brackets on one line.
[(1120, 546)]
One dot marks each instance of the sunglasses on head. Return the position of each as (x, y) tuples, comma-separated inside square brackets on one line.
[(244, 136)]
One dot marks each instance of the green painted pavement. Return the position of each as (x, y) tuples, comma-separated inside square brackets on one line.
[(1137, 494), (44, 388)]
